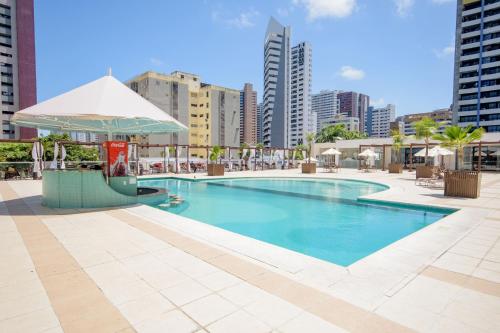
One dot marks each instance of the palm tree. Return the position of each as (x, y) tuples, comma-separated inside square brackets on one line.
[(215, 154), (310, 139), (331, 133), (397, 143), (425, 129), (259, 147), (458, 137)]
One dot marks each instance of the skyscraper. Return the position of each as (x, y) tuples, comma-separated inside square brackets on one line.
[(476, 88), (276, 99), (378, 121), (353, 104), (17, 64), (260, 109), (248, 115), (325, 105), (363, 104), (302, 120)]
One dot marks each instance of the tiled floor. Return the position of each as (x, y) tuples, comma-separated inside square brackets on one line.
[(145, 270)]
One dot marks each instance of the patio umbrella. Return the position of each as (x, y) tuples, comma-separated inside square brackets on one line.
[(102, 106), (435, 151), (37, 156), (370, 156), (63, 156), (331, 151), (53, 164), (367, 153)]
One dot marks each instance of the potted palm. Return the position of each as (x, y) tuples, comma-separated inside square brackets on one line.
[(245, 154), (309, 167), (460, 182), (425, 129), (214, 168), (397, 144)]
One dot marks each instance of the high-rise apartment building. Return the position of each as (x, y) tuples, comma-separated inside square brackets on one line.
[(443, 116), (476, 89), (212, 113), (378, 121), (325, 105), (353, 104), (248, 115), (302, 120), (17, 64), (363, 104), (276, 99), (260, 110)]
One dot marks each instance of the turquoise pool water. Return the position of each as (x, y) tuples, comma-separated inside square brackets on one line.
[(320, 218)]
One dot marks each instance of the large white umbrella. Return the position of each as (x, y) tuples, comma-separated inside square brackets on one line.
[(435, 151), (102, 106), (367, 153), (331, 151)]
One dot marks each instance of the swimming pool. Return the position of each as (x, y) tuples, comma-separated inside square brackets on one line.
[(319, 218)]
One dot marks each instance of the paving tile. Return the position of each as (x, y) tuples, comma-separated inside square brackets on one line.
[(146, 307), (219, 280), (241, 322), (209, 309), (273, 311), (172, 322), (457, 263), (23, 305), (197, 269), (306, 322), (243, 294), (43, 320), (120, 294), (185, 292)]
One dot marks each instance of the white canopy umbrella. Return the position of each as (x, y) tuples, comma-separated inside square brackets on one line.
[(102, 106), (367, 153), (331, 151), (435, 151)]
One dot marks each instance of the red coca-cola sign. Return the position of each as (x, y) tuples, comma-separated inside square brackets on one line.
[(117, 158)]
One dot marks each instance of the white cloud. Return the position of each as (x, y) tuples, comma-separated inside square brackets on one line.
[(351, 73), (445, 52), (156, 62), (327, 8), (378, 103), (403, 7), (242, 21)]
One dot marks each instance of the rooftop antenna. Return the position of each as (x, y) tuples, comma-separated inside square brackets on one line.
[(110, 72)]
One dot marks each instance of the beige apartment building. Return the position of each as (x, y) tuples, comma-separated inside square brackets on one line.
[(248, 115), (212, 113)]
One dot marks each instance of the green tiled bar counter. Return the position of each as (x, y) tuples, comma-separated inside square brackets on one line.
[(80, 189)]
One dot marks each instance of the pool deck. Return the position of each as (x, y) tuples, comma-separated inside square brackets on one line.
[(140, 269)]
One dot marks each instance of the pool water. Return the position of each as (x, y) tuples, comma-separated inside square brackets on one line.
[(319, 218)]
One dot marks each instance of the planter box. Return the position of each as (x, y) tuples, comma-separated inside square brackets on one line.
[(215, 169), (308, 167), (424, 171), (395, 168), (464, 184)]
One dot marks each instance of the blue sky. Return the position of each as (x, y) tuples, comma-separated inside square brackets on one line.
[(396, 51)]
